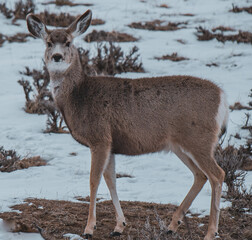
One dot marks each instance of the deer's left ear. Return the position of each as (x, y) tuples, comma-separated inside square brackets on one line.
[(81, 24), (36, 27)]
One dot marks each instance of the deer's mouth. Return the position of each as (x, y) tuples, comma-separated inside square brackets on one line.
[(57, 66)]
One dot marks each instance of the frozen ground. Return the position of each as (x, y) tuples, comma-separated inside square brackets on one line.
[(160, 178)]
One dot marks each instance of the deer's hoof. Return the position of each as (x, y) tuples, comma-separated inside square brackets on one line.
[(115, 234), (88, 236)]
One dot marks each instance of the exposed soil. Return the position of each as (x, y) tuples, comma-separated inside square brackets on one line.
[(158, 25), (173, 57), (98, 36), (144, 221), (241, 37)]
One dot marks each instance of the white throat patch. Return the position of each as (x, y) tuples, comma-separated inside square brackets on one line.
[(57, 66)]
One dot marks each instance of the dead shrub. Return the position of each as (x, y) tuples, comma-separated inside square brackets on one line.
[(10, 161), (2, 39), (123, 175), (41, 98), (158, 25), (62, 19), (239, 106), (173, 57), (231, 160), (19, 37), (22, 8), (237, 9), (223, 29), (57, 20), (110, 60), (55, 122), (67, 3), (113, 36), (241, 37)]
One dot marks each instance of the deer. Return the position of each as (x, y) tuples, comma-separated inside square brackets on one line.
[(111, 115)]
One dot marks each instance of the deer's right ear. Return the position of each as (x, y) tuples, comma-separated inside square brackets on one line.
[(36, 27)]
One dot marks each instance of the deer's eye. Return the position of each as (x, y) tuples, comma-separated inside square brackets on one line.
[(49, 44), (68, 44)]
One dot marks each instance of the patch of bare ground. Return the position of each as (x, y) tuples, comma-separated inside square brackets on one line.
[(241, 37), (158, 25), (21, 9), (10, 161), (237, 9), (98, 36), (145, 221), (173, 57), (67, 3)]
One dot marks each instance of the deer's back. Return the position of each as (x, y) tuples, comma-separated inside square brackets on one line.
[(143, 115)]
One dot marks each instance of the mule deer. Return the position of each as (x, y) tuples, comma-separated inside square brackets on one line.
[(182, 114)]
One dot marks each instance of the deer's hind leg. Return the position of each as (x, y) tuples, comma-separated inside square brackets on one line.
[(199, 181)]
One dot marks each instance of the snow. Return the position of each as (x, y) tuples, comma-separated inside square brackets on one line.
[(161, 177)]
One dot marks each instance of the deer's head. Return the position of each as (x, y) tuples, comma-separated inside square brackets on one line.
[(59, 51)]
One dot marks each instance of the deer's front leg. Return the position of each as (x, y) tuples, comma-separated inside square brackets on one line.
[(99, 160)]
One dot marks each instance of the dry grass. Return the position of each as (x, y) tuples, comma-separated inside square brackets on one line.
[(173, 57), (113, 36), (237, 9), (145, 221), (241, 37), (110, 60), (61, 3), (239, 106), (21, 9), (10, 161), (158, 25), (62, 19)]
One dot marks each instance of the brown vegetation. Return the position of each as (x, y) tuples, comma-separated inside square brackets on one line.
[(145, 221), (158, 25), (173, 57), (67, 3), (110, 60), (113, 36), (237, 9), (22, 8), (241, 37), (239, 106), (10, 161)]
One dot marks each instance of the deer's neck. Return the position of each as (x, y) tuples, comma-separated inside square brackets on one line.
[(64, 79)]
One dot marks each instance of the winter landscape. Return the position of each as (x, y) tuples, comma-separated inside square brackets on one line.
[(206, 39)]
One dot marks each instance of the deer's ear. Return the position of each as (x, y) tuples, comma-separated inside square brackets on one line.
[(81, 24), (36, 27)]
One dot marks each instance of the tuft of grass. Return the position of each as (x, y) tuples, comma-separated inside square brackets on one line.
[(10, 161), (206, 35), (110, 60), (158, 25), (21, 9), (173, 57), (113, 36), (237, 9)]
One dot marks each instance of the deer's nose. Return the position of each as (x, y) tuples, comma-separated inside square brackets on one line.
[(57, 57)]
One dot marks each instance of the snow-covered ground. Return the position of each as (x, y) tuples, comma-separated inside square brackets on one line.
[(160, 177)]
